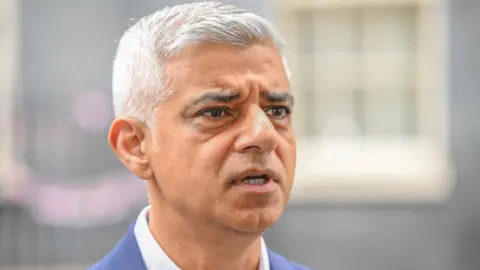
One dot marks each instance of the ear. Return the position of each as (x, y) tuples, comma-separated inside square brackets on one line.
[(128, 140)]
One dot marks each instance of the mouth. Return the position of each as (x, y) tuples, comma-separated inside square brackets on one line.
[(256, 181)]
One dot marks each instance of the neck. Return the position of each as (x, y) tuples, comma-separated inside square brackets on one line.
[(197, 245)]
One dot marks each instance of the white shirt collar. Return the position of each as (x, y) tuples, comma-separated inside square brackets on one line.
[(154, 256)]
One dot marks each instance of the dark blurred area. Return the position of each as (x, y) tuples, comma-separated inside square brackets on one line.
[(66, 200)]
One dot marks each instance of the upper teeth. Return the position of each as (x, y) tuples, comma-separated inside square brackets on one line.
[(255, 181)]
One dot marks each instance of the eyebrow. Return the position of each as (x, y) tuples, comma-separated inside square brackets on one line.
[(216, 95), (278, 97), (228, 95), (220, 95)]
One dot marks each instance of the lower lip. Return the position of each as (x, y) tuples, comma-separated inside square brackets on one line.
[(268, 187)]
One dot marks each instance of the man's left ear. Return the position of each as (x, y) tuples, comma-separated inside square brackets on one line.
[(128, 140)]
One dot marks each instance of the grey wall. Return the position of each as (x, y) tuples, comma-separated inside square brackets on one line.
[(69, 45)]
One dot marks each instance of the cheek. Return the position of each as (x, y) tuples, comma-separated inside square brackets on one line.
[(288, 148), (192, 166), (290, 161), (288, 156), (171, 162), (215, 151)]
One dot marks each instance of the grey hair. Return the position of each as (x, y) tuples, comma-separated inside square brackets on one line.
[(139, 83)]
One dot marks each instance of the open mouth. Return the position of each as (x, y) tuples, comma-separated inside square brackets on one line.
[(255, 180)]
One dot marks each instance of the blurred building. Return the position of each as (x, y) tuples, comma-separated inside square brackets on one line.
[(370, 78)]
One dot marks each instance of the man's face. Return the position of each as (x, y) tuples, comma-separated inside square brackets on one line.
[(223, 147)]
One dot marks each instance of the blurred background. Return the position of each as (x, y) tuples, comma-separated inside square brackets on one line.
[(386, 118)]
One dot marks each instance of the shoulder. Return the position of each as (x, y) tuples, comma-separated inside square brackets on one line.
[(125, 256), (278, 262)]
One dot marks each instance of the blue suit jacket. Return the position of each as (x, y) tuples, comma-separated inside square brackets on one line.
[(126, 256)]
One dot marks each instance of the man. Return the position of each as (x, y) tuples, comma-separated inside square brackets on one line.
[(203, 115)]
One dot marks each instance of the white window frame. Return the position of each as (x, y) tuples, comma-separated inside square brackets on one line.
[(8, 69), (381, 170)]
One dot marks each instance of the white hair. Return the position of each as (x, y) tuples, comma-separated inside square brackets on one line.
[(139, 83)]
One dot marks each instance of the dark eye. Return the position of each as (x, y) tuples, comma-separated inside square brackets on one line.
[(215, 112), (278, 111)]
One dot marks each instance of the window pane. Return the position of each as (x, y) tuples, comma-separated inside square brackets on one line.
[(390, 113), (337, 31), (335, 114), (389, 29), (388, 71), (337, 43), (337, 72), (304, 116)]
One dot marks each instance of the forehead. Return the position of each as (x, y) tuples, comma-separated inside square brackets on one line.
[(218, 65)]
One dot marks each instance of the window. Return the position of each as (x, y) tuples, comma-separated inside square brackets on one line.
[(371, 116), (8, 64), (349, 49)]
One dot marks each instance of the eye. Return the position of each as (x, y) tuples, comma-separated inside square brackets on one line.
[(215, 112), (278, 112)]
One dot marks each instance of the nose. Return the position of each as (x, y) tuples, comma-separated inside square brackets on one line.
[(258, 133)]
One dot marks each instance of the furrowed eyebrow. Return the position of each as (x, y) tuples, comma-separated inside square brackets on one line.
[(224, 95), (215, 95), (278, 97)]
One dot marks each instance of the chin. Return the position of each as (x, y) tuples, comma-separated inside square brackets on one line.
[(255, 221)]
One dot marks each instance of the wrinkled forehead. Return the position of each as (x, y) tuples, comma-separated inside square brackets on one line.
[(224, 66)]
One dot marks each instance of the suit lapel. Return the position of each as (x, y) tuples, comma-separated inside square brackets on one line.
[(278, 262), (125, 256)]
